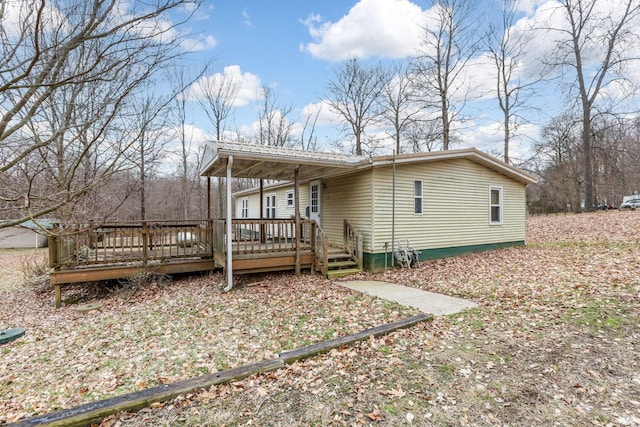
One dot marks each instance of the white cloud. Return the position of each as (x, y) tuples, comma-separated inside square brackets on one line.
[(196, 10), (326, 116), (528, 6), (197, 45), (248, 84), (16, 15), (246, 18), (386, 28), (488, 136)]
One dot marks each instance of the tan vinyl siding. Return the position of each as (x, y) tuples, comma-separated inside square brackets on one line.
[(254, 206), (348, 197), (455, 206)]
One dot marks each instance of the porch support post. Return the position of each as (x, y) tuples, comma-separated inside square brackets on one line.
[(263, 229), (229, 229), (296, 192), (209, 197)]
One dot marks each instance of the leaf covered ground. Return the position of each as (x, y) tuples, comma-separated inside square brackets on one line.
[(555, 341)]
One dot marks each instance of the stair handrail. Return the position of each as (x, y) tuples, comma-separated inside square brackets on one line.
[(353, 242), (321, 250)]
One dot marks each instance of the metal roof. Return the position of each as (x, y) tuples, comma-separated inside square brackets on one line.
[(472, 154), (275, 163), (37, 224), (279, 163)]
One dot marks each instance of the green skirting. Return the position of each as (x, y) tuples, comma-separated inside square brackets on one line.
[(376, 262)]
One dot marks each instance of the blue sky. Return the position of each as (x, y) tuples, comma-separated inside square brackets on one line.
[(294, 47)]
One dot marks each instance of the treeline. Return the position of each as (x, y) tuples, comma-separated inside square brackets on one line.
[(96, 97), (559, 158)]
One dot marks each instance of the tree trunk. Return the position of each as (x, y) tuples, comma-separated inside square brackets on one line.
[(507, 130), (586, 146), (445, 125)]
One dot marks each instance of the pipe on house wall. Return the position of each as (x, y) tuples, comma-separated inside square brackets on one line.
[(393, 212), (229, 237)]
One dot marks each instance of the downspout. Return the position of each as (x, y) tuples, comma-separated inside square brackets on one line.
[(229, 237), (296, 203), (393, 211)]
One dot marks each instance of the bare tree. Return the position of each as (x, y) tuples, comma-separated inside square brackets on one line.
[(355, 95), (560, 154), (274, 126), (93, 56), (422, 135), (180, 84), (150, 120), (308, 138), (508, 48), (400, 109), (448, 45), (592, 45), (218, 97)]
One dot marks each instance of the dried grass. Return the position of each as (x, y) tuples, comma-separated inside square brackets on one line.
[(553, 342)]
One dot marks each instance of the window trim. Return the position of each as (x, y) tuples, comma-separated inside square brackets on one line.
[(418, 197), (267, 207), (314, 198), (244, 208), (289, 198), (500, 205)]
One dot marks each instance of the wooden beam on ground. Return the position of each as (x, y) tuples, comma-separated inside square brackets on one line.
[(323, 347), (84, 415)]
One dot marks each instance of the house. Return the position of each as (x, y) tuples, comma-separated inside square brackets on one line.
[(440, 203), (332, 213), (28, 234)]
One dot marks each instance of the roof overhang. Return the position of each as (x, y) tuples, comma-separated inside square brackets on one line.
[(472, 154), (275, 163)]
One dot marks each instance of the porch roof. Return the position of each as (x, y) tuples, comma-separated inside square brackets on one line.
[(275, 163)]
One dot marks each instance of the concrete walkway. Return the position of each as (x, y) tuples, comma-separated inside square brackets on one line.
[(425, 301)]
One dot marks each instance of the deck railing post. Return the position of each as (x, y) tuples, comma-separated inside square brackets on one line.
[(325, 261), (145, 242), (312, 234), (211, 244), (54, 262)]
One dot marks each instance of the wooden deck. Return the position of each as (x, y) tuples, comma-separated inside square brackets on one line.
[(96, 252)]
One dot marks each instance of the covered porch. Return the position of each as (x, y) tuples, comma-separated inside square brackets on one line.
[(300, 244), (105, 251)]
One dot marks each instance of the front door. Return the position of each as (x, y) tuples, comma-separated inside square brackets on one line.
[(315, 200)]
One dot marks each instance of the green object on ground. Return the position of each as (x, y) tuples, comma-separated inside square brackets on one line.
[(10, 334)]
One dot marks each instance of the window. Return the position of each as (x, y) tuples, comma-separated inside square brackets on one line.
[(270, 206), (315, 198), (417, 197), (290, 200), (245, 208), (495, 205)]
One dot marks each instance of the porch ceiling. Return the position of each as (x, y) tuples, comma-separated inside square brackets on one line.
[(276, 163)]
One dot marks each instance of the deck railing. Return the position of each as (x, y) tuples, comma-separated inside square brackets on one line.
[(322, 251), (75, 245), (353, 242), (263, 235)]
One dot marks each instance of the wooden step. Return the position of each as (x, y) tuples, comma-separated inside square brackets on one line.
[(337, 265), (337, 256), (332, 274)]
